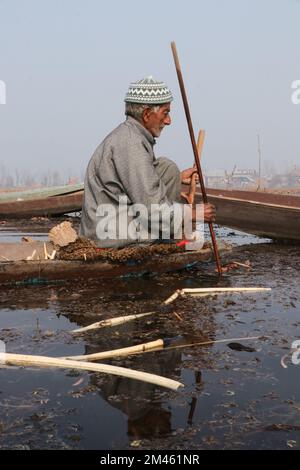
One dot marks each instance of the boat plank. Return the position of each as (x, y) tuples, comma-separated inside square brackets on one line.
[(39, 193), (265, 215), (54, 205), (82, 270)]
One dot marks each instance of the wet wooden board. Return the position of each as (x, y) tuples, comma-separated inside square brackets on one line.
[(265, 215), (257, 196), (44, 207), (61, 270), (39, 193), (20, 251)]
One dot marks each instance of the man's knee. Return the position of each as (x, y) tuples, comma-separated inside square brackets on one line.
[(167, 169)]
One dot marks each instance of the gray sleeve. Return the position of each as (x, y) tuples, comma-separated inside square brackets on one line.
[(143, 186), (137, 173)]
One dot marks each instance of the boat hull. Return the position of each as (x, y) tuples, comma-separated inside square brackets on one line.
[(265, 215), (43, 207), (56, 270)]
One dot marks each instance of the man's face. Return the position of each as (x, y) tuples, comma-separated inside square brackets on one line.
[(155, 121)]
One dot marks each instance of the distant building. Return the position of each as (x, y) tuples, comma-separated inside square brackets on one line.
[(242, 181), (237, 178), (215, 179)]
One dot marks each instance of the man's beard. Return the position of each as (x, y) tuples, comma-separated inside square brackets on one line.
[(157, 132)]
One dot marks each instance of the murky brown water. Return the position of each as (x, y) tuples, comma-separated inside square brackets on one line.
[(233, 398)]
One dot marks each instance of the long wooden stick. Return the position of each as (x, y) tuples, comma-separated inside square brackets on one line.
[(216, 290), (191, 194), (195, 150), (139, 348), (204, 343), (213, 291), (200, 142), (44, 361), (120, 320), (111, 322), (153, 346)]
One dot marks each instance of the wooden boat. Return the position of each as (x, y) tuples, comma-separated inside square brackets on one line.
[(13, 266), (267, 215), (41, 202)]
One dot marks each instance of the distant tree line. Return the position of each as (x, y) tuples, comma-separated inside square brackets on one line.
[(25, 179)]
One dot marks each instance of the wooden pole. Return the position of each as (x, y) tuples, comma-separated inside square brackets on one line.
[(213, 291), (111, 322), (138, 348), (200, 142), (195, 150), (259, 161), (192, 190), (44, 361)]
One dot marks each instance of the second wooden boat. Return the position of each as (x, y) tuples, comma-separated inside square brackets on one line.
[(267, 215), (41, 204)]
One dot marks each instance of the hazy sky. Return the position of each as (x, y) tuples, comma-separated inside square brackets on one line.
[(67, 65)]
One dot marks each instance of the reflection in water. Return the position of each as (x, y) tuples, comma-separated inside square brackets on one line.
[(240, 391), (198, 379), (145, 406)]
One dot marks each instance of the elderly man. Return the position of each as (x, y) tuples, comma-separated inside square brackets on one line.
[(124, 172)]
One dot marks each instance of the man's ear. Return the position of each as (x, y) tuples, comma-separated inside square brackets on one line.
[(146, 114)]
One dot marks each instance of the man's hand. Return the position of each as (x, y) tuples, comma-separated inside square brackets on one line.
[(209, 213), (187, 174)]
